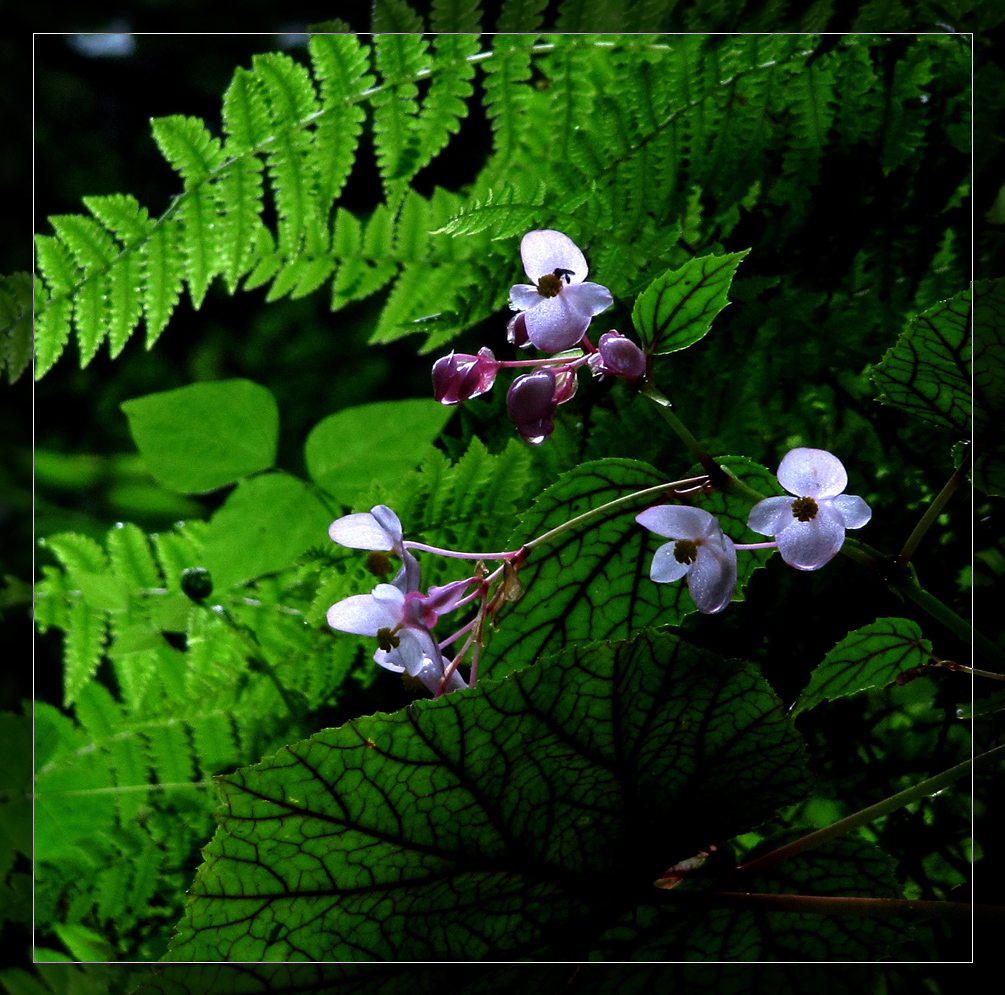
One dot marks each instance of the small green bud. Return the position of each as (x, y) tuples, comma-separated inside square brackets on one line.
[(196, 583)]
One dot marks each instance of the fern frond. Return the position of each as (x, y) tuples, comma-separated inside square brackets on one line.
[(519, 16), (188, 146), (907, 117), (15, 324), (163, 276)]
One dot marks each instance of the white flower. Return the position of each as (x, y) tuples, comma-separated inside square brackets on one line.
[(809, 528), (700, 551), (378, 529), (401, 623), (558, 306)]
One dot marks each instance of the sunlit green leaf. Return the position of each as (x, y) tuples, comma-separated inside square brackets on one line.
[(348, 450), (516, 819), (263, 526), (204, 436)]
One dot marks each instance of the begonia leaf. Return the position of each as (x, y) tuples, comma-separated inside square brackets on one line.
[(520, 818), (927, 372), (197, 438), (592, 582), (678, 307), (870, 657)]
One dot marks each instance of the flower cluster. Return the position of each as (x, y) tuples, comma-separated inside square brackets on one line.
[(399, 615), (808, 529), (553, 315)]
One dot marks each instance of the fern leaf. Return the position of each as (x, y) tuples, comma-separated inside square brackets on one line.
[(215, 745), (55, 264), (77, 553), (170, 752), (342, 65), (163, 270), (290, 99), (188, 146), (15, 324), (400, 59), (122, 215), (245, 118), (455, 17), (52, 332), (82, 649), (446, 102), (396, 16), (520, 15), (239, 193), (197, 217), (124, 302), (131, 558), (908, 117), (507, 95)]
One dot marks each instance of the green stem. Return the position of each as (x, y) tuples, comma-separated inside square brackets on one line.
[(932, 512), (616, 503), (866, 815), (722, 480)]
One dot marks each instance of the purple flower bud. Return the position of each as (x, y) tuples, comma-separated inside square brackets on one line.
[(531, 396), (458, 376), (531, 402), (621, 356), (565, 386)]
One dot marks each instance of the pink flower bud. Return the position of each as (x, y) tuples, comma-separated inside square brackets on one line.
[(621, 356), (458, 376), (516, 331)]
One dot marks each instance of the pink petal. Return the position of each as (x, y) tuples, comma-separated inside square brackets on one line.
[(852, 509), (363, 615), (589, 298), (677, 521), (810, 545), (712, 578), (771, 515), (522, 297), (666, 568), (812, 473), (553, 325), (546, 250)]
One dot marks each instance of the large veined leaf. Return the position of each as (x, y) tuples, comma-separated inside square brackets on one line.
[(870, 657), (677, 308), (207, 435), (520, 818), (927, 372), (592, 582)]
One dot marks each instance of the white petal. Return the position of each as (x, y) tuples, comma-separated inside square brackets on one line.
[(388, 521), (553, 325), (522, 297), (666, 568), (810, 545), (363, 531), (712, 579), (852, 509), (590, 298), (812, 473), (409, 577), (363, 615), (771, 515), (676, 521), (388, 660), (546, 250)]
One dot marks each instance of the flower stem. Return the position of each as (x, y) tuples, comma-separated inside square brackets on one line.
[(424, 548), (616, 503), (933, 511), (869, 814), (722, 480)]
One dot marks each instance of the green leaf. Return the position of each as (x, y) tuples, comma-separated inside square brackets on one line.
[(195, 439), (263, 526), (347, 451), (83, 943), (677, 308), (871, 657), (592, 582), (927, 372), (15, 324), (518, 819)]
